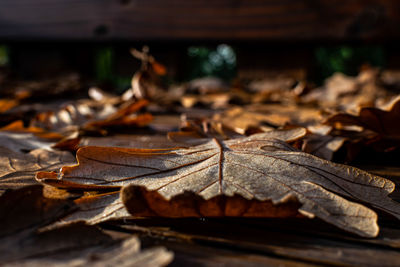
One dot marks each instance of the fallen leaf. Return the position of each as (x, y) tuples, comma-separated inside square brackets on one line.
[(24, 210), (272, 84), (206, 85), (18, 169), (145, 82), (124, 116), (383, 122), (93, 209), (120, 140), (378, 128), (83, 245), (268, 116), (323, 146), (215, 100), (254, 168), (7, 104), (347, 93), (92, 116), (22, 142), (18, 127), (195, 136), (27, 240)]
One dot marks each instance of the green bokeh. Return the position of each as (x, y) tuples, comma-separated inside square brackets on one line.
[(346, 59), (104, 70), (4, 55), (104, 60), (204, 61)]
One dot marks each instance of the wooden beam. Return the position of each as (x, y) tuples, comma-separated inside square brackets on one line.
[(276, 20)]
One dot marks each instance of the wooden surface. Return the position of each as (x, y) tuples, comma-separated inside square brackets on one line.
[(276, 20)]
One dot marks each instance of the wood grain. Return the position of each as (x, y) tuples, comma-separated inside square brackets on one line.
[(199, 19)]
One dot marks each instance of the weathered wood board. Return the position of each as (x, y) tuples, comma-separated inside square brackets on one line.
[(199, 19)]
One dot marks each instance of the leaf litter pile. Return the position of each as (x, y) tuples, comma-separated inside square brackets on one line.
[(79, 176)]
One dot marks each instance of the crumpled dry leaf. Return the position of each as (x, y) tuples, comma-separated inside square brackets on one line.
[(254, 168), (93, 209), (145, 83), (350, 93), (380, 127), (92, 116), (191, 134), (207, 85), (322, 146), (276, 83), (215, 100), (383, 122), (267, 117), (18, 169), (18, 127)]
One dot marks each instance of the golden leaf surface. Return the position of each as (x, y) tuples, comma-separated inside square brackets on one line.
[(255, 168)]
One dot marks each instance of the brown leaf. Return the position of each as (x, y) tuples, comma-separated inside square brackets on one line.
[(27, 209), (18, 169), (254, 168), (143, 203), (97, 208), (18, 142), (125, 116), (323, 146), (377, 128), (383, 122), (120, 140), (82, 245), (195, 136), (92, 116), (6, 104), (267, 116), (350, 93), (18, 127), (145, 82)]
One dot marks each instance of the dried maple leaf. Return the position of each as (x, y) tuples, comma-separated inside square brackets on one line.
[(18, 169), (254, 168)]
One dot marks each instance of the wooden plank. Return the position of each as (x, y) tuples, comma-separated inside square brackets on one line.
[(217, 20)]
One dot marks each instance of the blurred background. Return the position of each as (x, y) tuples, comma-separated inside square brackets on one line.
[(230, 39)]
